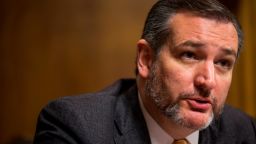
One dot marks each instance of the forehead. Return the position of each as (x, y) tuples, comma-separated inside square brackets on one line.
[(187, 26)]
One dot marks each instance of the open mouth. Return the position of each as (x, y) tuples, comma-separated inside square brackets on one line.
[(201, 105), (201, 101)]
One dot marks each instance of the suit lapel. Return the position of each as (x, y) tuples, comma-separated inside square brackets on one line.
[(130, 126)]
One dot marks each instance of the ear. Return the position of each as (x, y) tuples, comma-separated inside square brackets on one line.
[(144, 58)]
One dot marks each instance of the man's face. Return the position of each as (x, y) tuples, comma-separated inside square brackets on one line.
[(190, 78)]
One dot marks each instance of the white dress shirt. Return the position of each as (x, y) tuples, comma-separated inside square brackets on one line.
[(158, 135)]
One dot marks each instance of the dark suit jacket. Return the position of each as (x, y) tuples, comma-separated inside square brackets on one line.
[(113, 116)]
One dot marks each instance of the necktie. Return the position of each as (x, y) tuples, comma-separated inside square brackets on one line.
[(181, 141)]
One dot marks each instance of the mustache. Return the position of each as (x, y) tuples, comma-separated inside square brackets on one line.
[(202, 92)]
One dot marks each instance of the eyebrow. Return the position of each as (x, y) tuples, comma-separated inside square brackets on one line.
[(193, 44), (190, 43), (229, 51)]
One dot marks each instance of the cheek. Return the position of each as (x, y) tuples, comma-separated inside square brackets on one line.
[(178, 79), (222, 90)]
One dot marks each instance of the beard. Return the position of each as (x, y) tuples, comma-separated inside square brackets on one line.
[(156, 89)]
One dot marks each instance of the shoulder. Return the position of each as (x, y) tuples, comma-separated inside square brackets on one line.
[(77, 107), (236, 119), (95, 102), (88, 105), (82, 116), (235, 124), (75, 118)]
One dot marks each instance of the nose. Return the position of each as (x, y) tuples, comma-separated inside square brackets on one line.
[(206, 76)]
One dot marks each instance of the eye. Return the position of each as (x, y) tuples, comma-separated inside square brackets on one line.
[(225, 64), (188, 55)]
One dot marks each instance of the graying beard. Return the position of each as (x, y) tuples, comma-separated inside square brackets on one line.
[(152, 86), (172, 112)]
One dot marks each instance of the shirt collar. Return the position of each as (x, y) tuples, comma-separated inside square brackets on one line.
[(157, 134)]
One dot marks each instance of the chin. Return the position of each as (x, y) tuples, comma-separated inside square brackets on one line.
[(197, 120), (190, 119)]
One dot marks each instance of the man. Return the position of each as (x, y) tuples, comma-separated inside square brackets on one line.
[(185, 61)]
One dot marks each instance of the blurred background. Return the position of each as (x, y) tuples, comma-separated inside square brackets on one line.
[(54, 48)]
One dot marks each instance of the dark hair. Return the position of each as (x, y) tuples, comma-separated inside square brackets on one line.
[(156, 29)]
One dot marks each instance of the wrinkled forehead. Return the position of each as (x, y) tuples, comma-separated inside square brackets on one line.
[(190, 27)]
